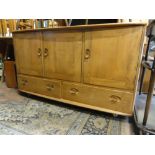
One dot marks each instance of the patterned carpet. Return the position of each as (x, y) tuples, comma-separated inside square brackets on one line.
[(23, 114)]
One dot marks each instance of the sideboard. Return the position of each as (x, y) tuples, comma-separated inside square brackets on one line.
[(93, 66)]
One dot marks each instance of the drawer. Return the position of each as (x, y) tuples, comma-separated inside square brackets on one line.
[(98, 97), (26, 83), (39, 85)]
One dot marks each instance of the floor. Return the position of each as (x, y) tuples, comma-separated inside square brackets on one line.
[(140, 106), (25, 114)]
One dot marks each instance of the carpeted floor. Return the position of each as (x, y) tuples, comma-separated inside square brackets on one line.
[(23, 114), (140, 108)]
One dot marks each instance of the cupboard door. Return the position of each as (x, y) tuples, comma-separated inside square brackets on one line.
[(62, 55), (111, 57), (28, 53)]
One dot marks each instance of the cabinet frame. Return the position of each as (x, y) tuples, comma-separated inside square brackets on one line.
[(85, 54)]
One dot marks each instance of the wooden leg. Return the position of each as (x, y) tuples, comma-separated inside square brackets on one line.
[(141, 80), (149, 97), (143, 69)]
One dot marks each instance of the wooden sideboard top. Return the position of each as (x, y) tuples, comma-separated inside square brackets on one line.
[(83, 27)]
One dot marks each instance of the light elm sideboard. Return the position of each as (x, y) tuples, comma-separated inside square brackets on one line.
[(94, 66)]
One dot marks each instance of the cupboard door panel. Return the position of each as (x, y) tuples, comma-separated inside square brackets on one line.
[(111, 57), (62, 59), (28, 53)]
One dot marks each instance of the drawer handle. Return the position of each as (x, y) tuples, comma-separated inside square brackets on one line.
[(50, 87), (87, 54), (39, 52), (24, 82), (74, 91), (115, 99), (45, 52)]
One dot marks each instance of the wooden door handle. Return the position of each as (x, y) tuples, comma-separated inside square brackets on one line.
[(87, 54), (45, 52), (74, 91), (39, 52)]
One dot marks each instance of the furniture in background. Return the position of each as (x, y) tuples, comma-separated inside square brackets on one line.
[(1, 68), (146, 80), (7, 26), (148, 64), (151, 67), (93, 66), (149, 54), (8, 73), (145, 122), (9, 67), (4, 41)]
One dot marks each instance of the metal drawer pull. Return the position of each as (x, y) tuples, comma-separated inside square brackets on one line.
[(45, 52), (74, 91), (50, 87), (115, 99), (39, 51), (87, 54)]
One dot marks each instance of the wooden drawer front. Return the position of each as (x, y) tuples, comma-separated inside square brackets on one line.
[(39, 85), (98, 97), (49, 88), (26, 83)]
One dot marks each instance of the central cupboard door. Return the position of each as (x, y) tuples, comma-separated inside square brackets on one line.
[(62, 55), (111, 57)]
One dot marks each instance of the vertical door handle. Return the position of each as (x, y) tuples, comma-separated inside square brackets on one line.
[(87, 54), (45, 52), (39, 52)]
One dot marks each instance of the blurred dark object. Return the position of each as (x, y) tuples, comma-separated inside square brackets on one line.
[(151, 28), (73, 22), (78, 22), (10, 52), (1, 68), (101, 21)]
